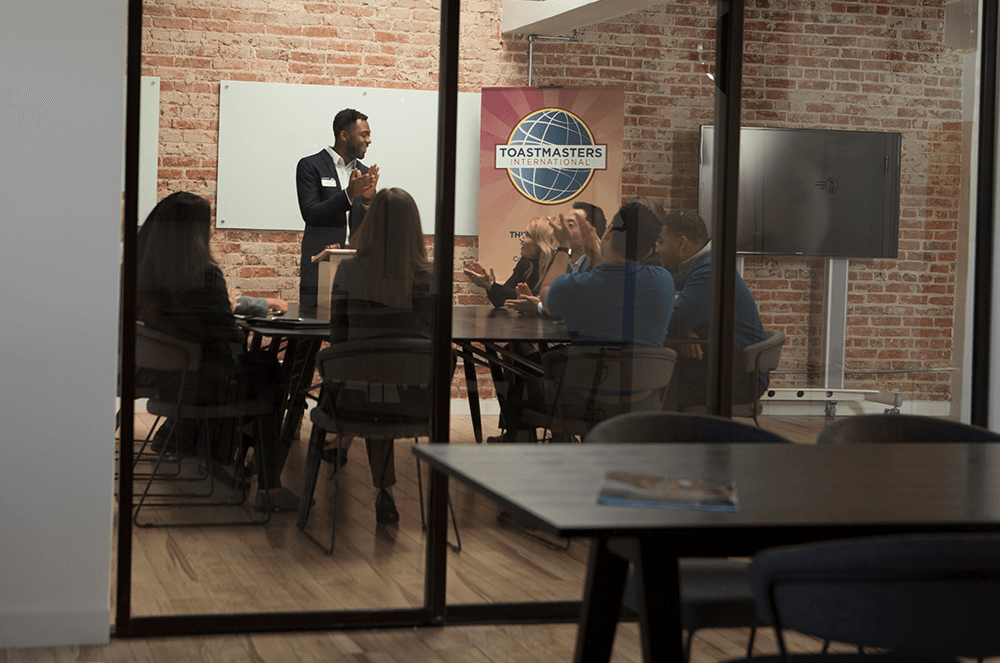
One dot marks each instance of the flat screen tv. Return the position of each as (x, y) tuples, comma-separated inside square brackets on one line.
[(812, 192)]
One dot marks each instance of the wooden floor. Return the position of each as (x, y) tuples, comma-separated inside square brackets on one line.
[(276, 568)]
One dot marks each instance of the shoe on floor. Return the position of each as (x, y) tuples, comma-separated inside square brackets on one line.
[(508, 436), (385, 509), (160, 440), (282, 499), (331, 456)]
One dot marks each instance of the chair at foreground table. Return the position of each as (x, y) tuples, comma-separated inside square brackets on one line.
[(362, 381), (902, 428), (928, 597), (715, 593), (586, 385), (157, 351)]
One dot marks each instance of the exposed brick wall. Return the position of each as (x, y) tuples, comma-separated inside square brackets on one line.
[(850, 65), (877, 66)]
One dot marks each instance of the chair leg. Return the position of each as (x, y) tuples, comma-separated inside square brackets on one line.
[(687, 645), (454, 522), (313, 458), (336, 497), (457, 546), (260, 456), (420, 496), (753, 634)]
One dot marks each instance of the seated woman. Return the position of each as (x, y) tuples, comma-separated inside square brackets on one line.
[(520, 293), (384, 291), (538, 249), (181, 292)]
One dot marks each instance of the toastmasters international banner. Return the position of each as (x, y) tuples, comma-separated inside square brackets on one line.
[(541, 150)]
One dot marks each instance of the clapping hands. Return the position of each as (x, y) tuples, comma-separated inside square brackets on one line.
[(525, 302), (478, 275), (363, 184)]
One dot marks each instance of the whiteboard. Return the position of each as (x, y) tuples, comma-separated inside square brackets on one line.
[(265, 128), (149, 143)]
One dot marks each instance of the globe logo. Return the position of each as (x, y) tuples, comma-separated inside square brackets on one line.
[(551, 156)]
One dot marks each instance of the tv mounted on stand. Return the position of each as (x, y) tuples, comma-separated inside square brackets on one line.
[(812, 192)]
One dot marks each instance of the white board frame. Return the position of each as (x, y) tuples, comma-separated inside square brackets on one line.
[(265, 128)]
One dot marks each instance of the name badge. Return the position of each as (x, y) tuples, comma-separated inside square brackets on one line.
[(328, 181)]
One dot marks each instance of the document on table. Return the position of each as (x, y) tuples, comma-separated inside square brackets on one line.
[(649, 491)]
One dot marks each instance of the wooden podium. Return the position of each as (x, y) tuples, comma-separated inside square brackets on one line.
[(329, 260)]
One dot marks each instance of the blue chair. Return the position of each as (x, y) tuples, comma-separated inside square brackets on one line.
[(931, 597), (902, 428)]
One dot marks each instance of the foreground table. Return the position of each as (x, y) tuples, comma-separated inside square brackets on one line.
[(787, 494)]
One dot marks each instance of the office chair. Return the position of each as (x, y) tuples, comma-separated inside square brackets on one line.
[(902, 428), (928, 597), (363, 385), (586, 385), (158, 351)]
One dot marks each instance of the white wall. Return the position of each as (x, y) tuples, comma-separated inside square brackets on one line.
[(62, 65)]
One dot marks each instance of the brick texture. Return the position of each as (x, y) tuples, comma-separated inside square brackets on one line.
[(878, 65)]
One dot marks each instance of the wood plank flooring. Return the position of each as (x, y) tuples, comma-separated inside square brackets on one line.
[(230, 569)]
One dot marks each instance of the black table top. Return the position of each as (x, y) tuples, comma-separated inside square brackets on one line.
[(787, 493), (469, 323)]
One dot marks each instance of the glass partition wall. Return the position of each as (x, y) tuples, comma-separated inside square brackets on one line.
[(857, 188), (859, 329)]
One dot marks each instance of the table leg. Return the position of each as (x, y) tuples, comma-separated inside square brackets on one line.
[(602, 600), (299, 375), (658, 600), (472, 393)]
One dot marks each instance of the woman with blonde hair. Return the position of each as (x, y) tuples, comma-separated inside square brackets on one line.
[(538, 249)]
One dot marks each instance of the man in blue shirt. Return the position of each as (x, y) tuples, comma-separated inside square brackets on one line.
[(685, 249), (619, 301)]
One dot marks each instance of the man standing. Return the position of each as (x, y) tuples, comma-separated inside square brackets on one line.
[(334, 189), (685, 250)]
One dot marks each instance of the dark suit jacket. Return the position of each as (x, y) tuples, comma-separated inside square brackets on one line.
[(327, 213)]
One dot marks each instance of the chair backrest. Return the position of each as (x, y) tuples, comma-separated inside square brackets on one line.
[(636, 427), (929, 595), (593, 383), (902, 428), (764, 356), (157, 351), (379, 378)]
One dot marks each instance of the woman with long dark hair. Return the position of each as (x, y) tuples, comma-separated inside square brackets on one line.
[(385, 291), (181, 291)]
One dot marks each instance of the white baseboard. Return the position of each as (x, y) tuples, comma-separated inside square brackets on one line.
[(490, 406), (848, 408), (55, 628)]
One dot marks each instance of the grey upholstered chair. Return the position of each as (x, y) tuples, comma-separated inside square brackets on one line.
[(902, 428), (157, 351), (362, 381), (586, 385), (928, 597), (759, 358), (756, 359), (715, 593)]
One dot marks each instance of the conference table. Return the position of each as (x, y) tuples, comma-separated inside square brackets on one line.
[(482, 335), (786, 494)]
